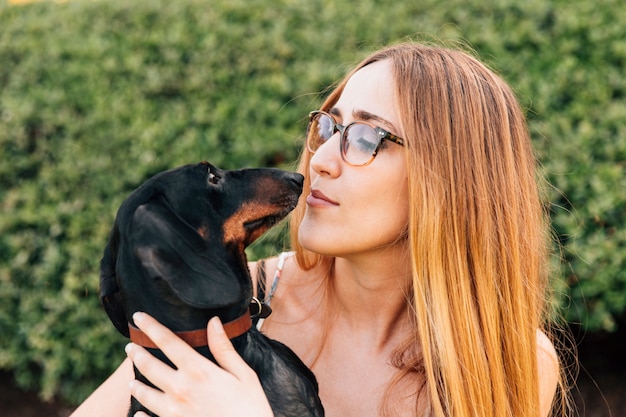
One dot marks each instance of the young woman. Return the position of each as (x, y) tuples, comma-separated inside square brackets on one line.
[(418, 283)]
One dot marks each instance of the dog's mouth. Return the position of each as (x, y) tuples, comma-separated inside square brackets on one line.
[(255, 228), (251, 221)]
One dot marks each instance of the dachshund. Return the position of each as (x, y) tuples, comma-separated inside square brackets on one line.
[(176, 252)]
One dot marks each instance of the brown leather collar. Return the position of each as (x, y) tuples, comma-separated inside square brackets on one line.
[(194, 338)]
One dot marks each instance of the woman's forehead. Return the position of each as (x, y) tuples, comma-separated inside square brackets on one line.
[(370, 90)]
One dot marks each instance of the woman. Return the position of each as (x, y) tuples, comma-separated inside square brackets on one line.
[(419, 277)]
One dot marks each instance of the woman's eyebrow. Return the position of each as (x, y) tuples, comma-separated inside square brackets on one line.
[(367, 116)]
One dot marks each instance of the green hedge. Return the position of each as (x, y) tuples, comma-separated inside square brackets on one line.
[(96, 96)]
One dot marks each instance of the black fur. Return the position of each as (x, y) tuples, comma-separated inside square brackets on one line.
[(176, 251)]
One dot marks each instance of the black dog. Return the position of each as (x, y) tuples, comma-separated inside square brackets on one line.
[(176, 251)]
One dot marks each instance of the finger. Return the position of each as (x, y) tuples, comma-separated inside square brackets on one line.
[(223, 351), (171, 345), (140, 414), (149, 397), (157, 372)]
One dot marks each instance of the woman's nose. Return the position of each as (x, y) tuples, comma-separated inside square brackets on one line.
[(327, 158)]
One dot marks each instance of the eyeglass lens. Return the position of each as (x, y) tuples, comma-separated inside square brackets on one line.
[(358, 143)]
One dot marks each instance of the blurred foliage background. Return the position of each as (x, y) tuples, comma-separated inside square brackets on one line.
[(96, 96)]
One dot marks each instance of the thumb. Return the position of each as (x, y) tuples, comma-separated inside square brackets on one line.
[(222, 349)]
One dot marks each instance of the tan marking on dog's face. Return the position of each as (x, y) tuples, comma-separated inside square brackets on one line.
[(234, 230), (203, 231)]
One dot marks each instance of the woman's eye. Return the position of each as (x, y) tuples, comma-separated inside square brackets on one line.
[(365, 145)]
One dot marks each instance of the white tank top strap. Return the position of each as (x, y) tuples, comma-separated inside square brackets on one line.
[(276, 278)]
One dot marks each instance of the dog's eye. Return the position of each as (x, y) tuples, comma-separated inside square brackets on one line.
[(213, 177)]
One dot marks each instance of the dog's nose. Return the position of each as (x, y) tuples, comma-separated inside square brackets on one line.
[(297, 179)]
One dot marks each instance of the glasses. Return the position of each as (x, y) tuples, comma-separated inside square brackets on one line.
[(359, 141)]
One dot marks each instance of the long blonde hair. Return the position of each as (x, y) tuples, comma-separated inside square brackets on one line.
[(478, 233)]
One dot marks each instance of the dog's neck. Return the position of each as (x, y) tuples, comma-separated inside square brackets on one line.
[(194, 338)]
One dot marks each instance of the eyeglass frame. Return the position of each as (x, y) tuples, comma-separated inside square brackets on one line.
[(382, 134)]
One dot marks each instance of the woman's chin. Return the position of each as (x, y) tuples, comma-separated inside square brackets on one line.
[(318, 239)]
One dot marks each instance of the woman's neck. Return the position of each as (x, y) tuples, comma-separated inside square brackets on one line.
[(370, 294)]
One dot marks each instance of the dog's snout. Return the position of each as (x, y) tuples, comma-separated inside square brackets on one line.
[(297, 179)]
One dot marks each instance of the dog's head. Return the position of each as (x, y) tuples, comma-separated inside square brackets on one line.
[(177, 245)]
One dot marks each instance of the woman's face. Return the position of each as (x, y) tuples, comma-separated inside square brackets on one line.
[(354, 210)]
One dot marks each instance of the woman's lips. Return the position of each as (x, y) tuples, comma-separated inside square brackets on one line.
[(318, 199)]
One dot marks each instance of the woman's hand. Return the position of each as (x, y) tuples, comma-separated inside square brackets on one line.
[(197, 387)]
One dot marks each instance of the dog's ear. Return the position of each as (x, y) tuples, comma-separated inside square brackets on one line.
[(110, 295), (171, 250)]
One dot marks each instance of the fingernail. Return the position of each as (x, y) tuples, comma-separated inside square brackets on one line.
[(138, 317), (128, 348), (217, 325)]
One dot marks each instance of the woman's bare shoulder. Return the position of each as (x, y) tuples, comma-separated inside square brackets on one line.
[(548, 365)]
